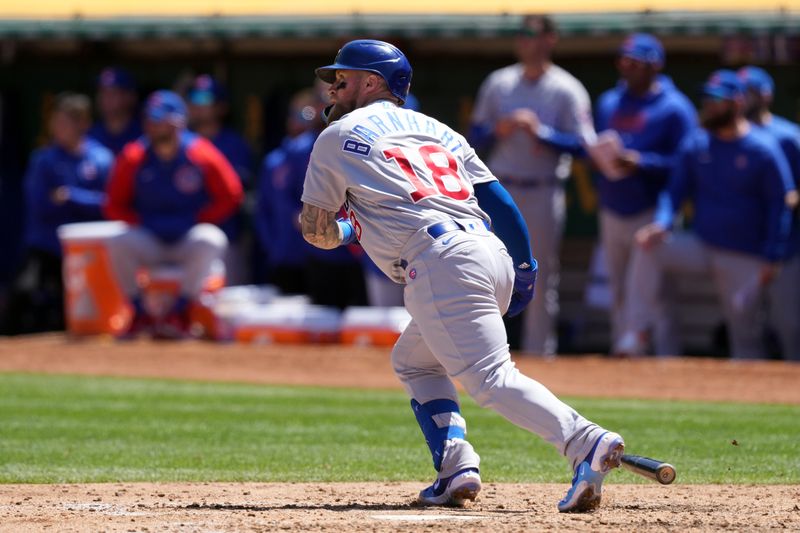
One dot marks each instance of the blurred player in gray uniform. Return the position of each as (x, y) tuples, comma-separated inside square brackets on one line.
[(784, 303), (533, 114), (412, 187)]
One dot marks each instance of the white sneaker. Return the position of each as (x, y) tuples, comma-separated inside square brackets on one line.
[(587, 485), (454, 490)]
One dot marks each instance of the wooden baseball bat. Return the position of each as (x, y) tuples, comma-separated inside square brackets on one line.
[(653, 469)]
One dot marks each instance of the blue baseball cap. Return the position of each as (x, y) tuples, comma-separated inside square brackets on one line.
[(117, 78), (643, 47), (206, 91), (723, 84), (757, 79), (166, 106)]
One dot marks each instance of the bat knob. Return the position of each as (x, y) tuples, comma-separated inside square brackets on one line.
[(666, 474)]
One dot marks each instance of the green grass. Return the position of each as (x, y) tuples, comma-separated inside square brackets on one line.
[(82, 429)]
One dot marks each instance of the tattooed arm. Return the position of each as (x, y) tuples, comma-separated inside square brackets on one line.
[(320, 227)]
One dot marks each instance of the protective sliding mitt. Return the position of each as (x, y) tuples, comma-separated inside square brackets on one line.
[(524, 281)]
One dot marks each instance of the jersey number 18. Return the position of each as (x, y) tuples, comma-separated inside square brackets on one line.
[(445, 177)]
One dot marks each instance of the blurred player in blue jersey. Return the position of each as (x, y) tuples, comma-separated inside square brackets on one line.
[(295, 265), (652, 117), (784, 294), (119, 121), (208, 108), (738, 179), (65, 183)]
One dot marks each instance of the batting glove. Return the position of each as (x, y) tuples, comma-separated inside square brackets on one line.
[(524, 280)]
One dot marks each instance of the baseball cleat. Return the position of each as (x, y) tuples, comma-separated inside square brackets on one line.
[(454, 490), (585, 493)]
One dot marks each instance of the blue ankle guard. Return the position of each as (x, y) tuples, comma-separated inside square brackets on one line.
[(440, 420)]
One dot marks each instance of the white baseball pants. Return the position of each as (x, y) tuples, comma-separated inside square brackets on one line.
[(733, 274), (784, 308), (616, 237), (197, 253), (458, 287)]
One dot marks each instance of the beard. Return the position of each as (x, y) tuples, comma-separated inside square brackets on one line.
[(755, 112), (161, 138), (714, 122), (336, 111)]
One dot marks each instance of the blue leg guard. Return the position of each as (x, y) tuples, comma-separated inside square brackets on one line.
[(440, 420)]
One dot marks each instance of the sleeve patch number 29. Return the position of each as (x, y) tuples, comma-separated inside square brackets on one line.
[(443, 169)]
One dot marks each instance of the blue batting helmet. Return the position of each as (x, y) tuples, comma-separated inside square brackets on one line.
[(379, 57)]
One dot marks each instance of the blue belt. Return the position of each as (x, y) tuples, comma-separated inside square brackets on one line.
[(440, 228)]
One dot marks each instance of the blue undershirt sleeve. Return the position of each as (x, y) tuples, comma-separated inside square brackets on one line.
[(86, 202), (680, 183), (507, 221), (562, 141)]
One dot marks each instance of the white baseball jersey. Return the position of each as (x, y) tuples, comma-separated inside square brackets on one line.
[(395, 170), (560, 101)]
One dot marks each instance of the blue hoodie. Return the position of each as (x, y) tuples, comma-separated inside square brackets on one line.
[(654, 125), (738, 188), (84, 174)]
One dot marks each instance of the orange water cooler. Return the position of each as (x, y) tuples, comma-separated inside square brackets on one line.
[(94, 303)]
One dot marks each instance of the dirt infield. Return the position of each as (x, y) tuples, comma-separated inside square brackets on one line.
[(389, 506), (359, 367), (386, 507)]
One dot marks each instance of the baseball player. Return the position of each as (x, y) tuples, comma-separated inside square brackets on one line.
[(784, 304), (651, 117), (65, 182), (116, 102), (738, 179), (433, 217), (172, 187), (208, 107), (533, 115)]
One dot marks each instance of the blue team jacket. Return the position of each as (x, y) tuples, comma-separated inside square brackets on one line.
[(653, 125), (738, 189), (85, 175), (169, 197)]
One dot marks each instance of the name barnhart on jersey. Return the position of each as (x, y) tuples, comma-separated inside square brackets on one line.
[(393, 119)]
